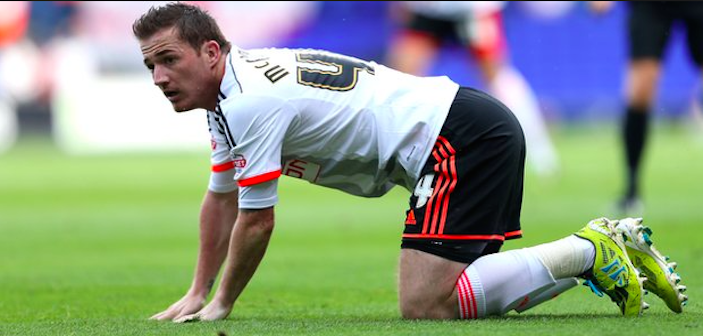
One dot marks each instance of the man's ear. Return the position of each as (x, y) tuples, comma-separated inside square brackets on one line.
[(212, 51)]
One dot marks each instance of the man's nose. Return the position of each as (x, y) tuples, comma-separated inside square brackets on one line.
[(160, 77)]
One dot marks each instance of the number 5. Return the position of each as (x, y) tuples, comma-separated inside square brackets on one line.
[(343, 78)]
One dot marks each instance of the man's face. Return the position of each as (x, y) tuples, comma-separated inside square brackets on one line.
[(182, 73)]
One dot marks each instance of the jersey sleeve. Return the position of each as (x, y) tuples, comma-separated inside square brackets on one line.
[(222, 166), (258, 126), (259, 196)]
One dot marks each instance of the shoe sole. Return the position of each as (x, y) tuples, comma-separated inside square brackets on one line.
[(654, 265)]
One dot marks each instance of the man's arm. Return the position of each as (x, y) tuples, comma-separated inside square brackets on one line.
[(248, 243), (217, 216)]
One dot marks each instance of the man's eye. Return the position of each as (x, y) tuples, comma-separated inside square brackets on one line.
[(169, 60)]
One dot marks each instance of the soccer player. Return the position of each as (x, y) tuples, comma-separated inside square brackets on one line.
[(427, 26), (650, 24), (360, 127)]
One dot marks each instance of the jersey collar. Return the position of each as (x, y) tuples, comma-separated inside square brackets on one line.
[(230, 85)]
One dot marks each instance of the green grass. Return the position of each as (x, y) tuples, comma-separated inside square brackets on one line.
[(95, 245)]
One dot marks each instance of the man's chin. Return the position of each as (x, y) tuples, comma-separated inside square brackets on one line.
[(180, 108)]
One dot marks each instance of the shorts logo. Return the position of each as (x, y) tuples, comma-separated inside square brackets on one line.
[(238, 160), (424, 190), (213, 143), (410, 218)]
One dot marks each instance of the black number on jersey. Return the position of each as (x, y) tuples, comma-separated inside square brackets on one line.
[(342, 75)]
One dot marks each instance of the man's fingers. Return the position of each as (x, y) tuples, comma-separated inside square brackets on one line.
[(188, 318), (166, 315), (186, 311), (159, 316), (156, 316)]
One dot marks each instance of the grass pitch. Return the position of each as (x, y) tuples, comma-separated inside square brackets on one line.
[(95, 245)]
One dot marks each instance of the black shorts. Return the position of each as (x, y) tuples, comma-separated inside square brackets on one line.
[(469, 195), (651, 22)]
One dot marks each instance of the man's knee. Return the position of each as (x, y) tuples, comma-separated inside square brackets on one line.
[(425, 311), (427, 286), (642, 82), (411, 311)]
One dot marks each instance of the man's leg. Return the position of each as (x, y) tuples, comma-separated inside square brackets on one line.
[(467, 202), (694, 33), (427, 285), (432, 287), (471, 205), (519, 279), (649, 25), (436, 288), (642, 79), (561, 286)]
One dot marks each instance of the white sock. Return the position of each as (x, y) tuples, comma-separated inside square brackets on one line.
[(561, 286), (497, 283), (567, 257)]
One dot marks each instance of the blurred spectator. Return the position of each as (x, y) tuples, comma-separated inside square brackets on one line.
[(48, 47), (28, 64), (14, 18), (476, 25), (51, 22), (650, 25)]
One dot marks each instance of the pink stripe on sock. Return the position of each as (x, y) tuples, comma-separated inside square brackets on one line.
[(474, 313), (464, 293), (460, 297)]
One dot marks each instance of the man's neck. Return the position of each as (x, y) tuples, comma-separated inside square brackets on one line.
[(219, 75)]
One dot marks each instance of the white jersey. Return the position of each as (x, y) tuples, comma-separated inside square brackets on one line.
[(332, 120)]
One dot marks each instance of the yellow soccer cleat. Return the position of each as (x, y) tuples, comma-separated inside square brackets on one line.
[(661, 278), (613, 273)]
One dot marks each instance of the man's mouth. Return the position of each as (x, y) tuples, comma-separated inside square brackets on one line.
[(171, 95)]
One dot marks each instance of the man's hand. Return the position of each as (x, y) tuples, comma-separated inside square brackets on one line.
[(189, 304), (213, 311), (217, 216), (250, 237)]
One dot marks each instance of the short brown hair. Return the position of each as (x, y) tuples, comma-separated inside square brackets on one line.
[(194, 25)]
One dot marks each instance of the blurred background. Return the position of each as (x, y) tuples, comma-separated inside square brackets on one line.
[(72, 70), (101, 182)]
